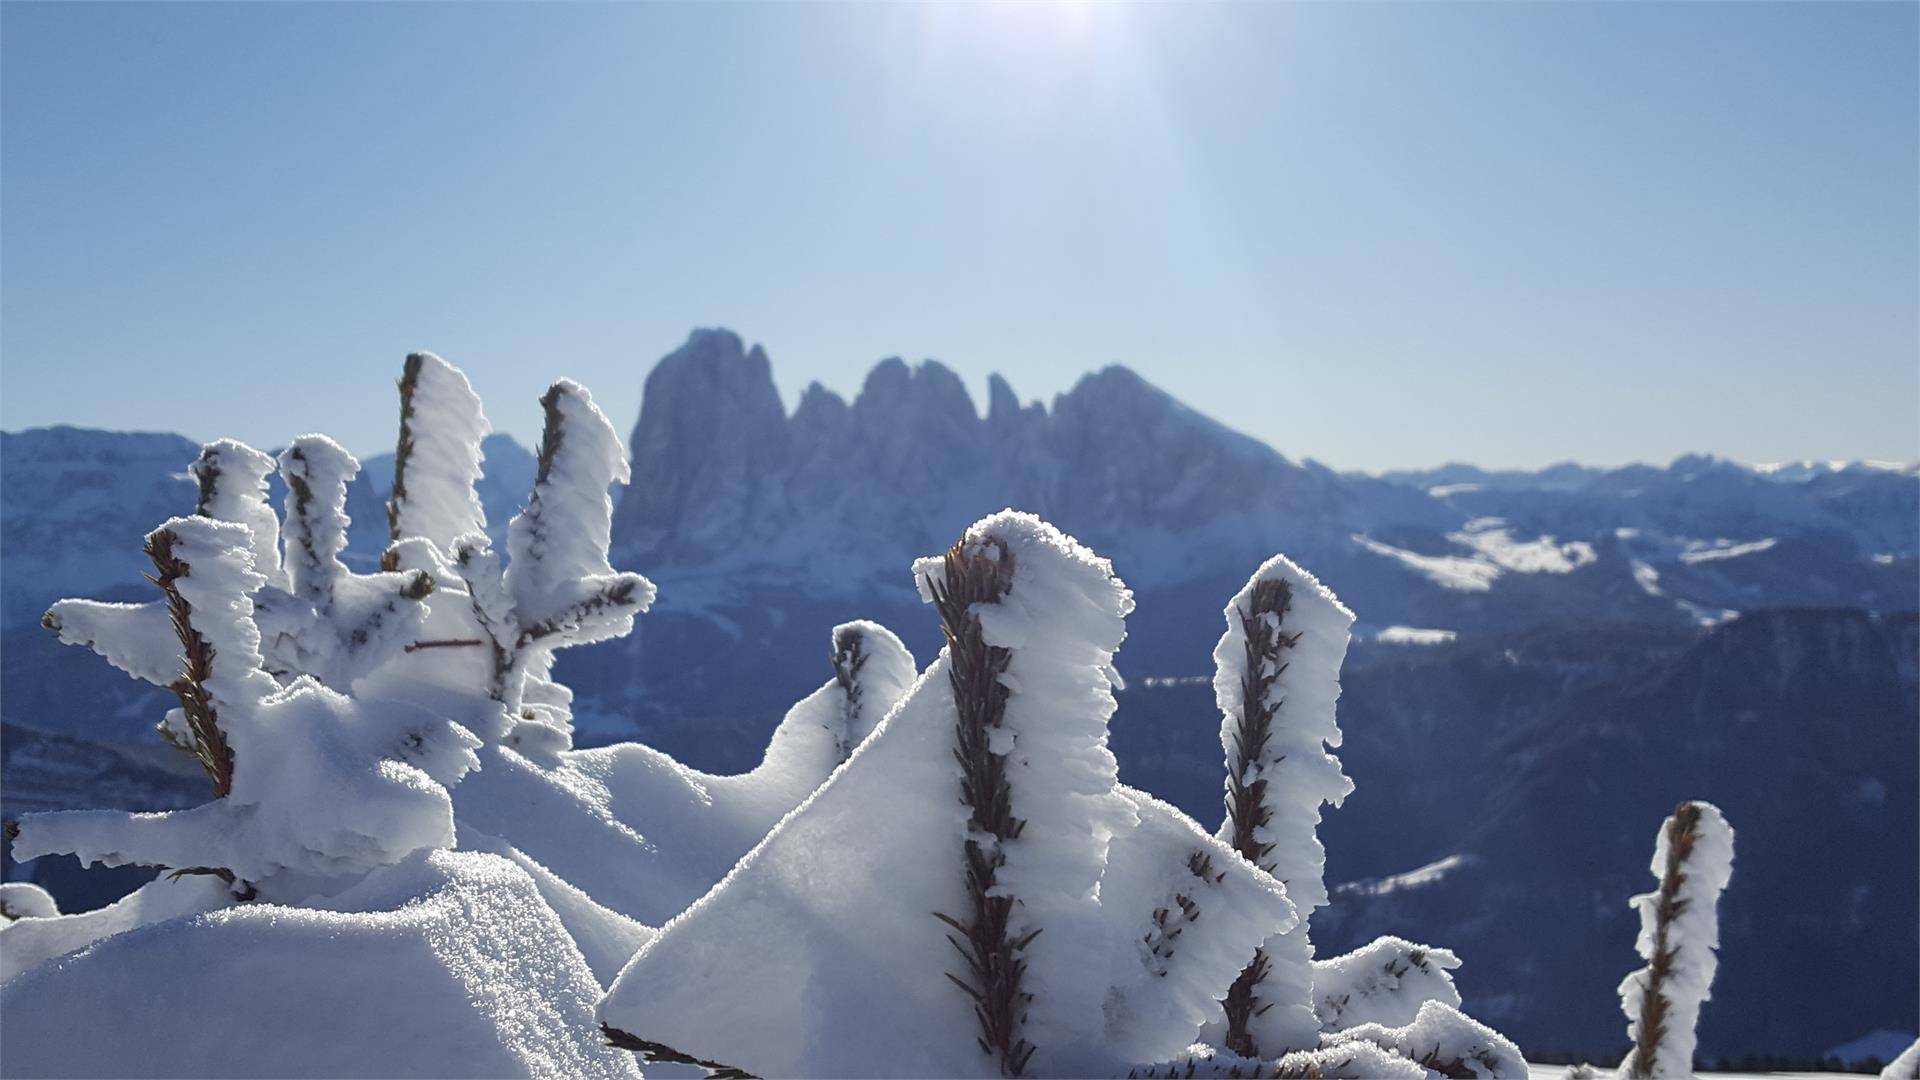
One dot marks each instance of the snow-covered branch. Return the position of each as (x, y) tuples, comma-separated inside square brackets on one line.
[(1679, 931), (1276, 678), (438, 458)]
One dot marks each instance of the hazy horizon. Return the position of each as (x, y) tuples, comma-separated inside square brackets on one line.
[(1378, 236), (977, 395)]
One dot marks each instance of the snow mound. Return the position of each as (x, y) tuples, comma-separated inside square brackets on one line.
[(327, 794), (645, 835), (475, 977), (30, 942)]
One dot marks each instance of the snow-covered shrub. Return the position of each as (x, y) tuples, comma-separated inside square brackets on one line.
[(1356, 1061), (1438, 1041), (1277, 681), (1065, 940), (308, 782), (1384, 982), (314, 617), (500, 634), (1442, 1041), (1277, 677), (332, 712), (1679, 931)]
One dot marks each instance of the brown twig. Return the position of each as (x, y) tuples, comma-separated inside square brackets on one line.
[(403, 450), (1246, 802), (651, 1052), (983, 574), (448, 643), (209, 745), (1682, 832), (849, 656)]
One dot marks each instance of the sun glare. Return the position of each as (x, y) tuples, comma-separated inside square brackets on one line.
[(1027, 27)]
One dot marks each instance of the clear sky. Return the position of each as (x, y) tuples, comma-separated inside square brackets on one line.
[(1376, 235)]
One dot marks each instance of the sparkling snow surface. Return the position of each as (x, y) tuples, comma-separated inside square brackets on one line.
[(448, 964)]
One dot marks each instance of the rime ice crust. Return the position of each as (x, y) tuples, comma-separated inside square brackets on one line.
[(557, 546), (136, 638), (1303, 776), (1300, 775), (1384, 982), (440, 458), (233, 487), (1692, 936), (1062, 620), (1442, 1034)]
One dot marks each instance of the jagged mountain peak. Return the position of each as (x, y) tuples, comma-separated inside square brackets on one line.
[(925, 391), (909, 460), (714, 360), (1002, 404), (819, 406)]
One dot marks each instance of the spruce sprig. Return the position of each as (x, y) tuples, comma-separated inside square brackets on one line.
[(849, 656), (1262, 622), (207, 743), (981, 572), (1683, 831)]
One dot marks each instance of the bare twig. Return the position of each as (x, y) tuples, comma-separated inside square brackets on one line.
[(448, 643)]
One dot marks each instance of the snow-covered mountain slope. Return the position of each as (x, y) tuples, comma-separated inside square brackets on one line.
[(760, 526), (726, 480)]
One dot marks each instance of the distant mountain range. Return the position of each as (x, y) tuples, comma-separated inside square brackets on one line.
[(1546, 661)]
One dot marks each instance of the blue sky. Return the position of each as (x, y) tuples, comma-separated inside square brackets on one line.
[(1376, 235)]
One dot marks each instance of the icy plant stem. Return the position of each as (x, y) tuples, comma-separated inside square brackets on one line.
[(1682, 831), (652, 1052), (1246, 799), (849, 656), (409, 382), (994, 963), (315, 584), (209, 744)]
